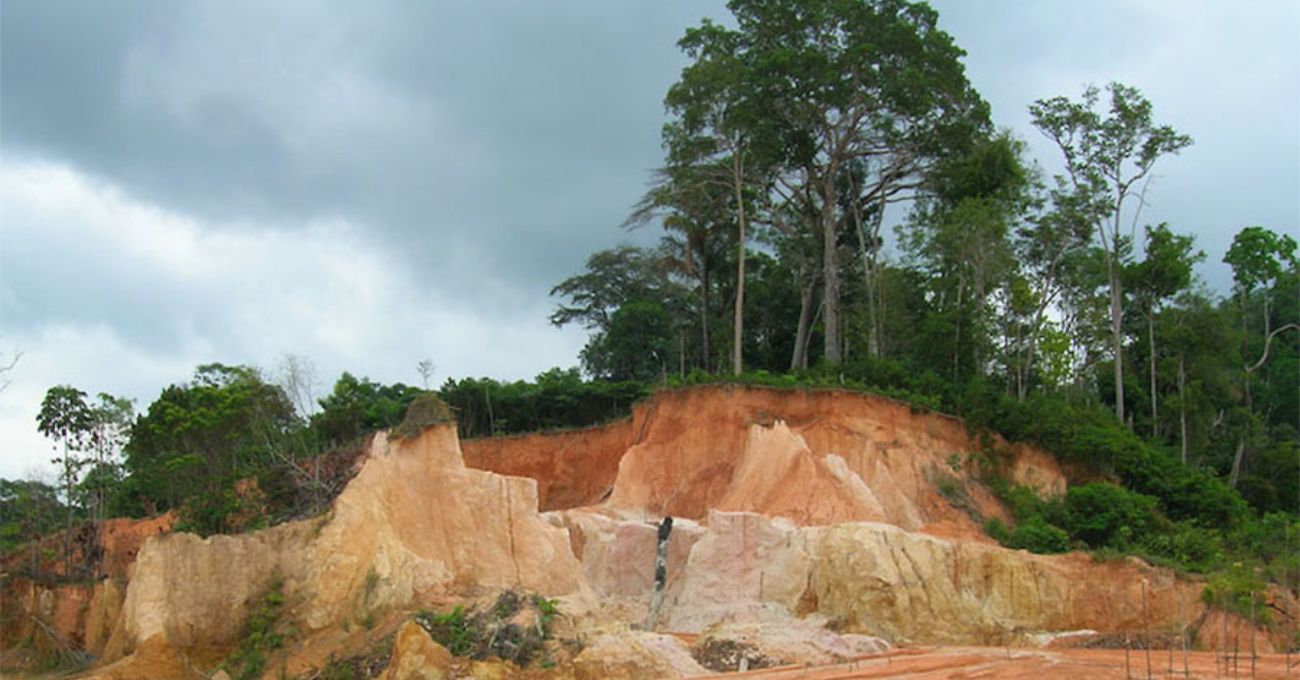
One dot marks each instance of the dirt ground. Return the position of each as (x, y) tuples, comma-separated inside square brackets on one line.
[(986, 662)]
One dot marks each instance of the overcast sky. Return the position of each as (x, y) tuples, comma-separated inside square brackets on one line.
[(372, 184)]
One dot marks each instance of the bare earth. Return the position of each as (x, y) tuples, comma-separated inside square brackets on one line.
[(933, 663)]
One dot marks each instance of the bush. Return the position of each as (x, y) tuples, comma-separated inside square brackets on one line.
[(1186, 546), (1105, 515), (1038, 536), (997, 530)]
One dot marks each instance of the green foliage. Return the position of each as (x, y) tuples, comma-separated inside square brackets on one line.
[(1186, 546), (199, 437), (491, 631), (1104, 515), (28, 510), (997, 530), (1037, 536), (558, 398), (358, 406), (636, 346), (1239, 590), (263, 634)]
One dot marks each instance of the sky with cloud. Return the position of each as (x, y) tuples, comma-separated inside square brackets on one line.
[(372, 184)]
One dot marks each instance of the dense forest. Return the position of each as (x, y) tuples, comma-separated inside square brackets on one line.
[(837, 209)]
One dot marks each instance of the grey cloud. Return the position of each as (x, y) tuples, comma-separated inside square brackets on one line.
[(519, 135)]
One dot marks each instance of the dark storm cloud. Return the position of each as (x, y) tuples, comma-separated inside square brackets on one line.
[(517, 136)]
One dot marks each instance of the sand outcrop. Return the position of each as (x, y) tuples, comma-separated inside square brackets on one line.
[(414, 526), (416, 656), (880, 580), (630, 655)]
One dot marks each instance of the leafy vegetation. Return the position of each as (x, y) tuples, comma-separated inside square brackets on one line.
[(514, 628), (263, 634)]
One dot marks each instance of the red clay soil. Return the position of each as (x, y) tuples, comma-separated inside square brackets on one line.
[(1019, 664), (573, 468), (692, 453), (680, 450)]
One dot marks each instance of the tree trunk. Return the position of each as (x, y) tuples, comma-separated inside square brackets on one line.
[(705, 358), (1117, 333), (1182, 406), (1236, 461), (956, 336), (799, 359), (1151, 336), (739, 330), (869, 276), (830, 270), (830, 263)]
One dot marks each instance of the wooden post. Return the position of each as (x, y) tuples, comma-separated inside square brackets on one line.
[(1146, 625), (1127, 673), (1182, 618), (1252, 633), (1224, 640)]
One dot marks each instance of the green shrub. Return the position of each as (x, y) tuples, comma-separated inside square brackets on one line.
[(997, 530), (1104, 515), (1038, 536), (1238, 590), (1185, 546)]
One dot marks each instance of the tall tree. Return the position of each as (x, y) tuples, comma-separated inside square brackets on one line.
[(716, 130), (693, 212), (959, 235), (1048, 247), (869, 80), (615, 279), (1165, 270), (66, 418), (1259, 259), (111, 419), (1107, 158)]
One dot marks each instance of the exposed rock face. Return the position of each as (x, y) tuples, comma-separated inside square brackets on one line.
[(793, 511), (632, 656), (904, 586), (414, 524), (416, 656), (796, 642)]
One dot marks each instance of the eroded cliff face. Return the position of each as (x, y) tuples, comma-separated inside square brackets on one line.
[(881, 580), (814, 457), (808, 508), (414, 526)]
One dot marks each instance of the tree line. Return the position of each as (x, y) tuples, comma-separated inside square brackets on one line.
[(798, 136)]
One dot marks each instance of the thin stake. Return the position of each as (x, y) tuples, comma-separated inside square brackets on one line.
[(1252, 633), (1187, 673), (1146, 624), (1127, 676), (1223, 640)]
